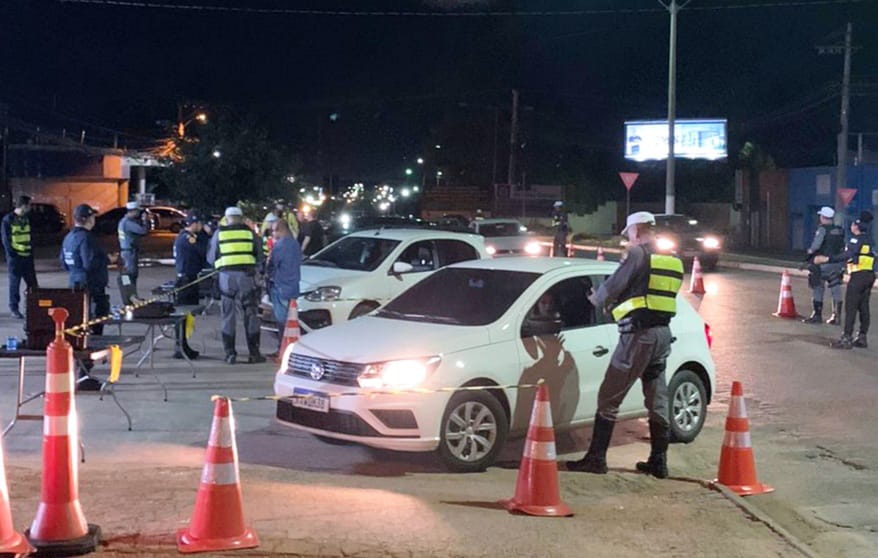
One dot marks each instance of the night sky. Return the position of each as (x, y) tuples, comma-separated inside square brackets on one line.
[(393, 80)]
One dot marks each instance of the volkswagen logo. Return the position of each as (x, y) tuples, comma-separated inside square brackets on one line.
[(317, 370)]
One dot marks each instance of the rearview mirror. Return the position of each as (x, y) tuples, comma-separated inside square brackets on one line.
[(401, 267)]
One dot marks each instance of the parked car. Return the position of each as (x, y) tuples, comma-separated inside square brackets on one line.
[(686, 238), (474, 324), (507, 237), (363, 270), (46, 218), (164, 218), (347, 222)]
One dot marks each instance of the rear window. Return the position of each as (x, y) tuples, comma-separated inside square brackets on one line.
[(500, 229)]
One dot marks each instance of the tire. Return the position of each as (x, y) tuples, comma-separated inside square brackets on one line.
[(176, 227), (362, 309), (333, 441), (687, 404), (458, 449)]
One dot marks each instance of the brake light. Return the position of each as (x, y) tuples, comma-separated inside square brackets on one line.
[(708, 334)]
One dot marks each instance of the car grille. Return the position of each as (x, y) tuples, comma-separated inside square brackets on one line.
[(342, 422), (335, 372)]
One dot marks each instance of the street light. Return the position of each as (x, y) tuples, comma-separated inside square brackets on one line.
[(200, 117), (438, 177)]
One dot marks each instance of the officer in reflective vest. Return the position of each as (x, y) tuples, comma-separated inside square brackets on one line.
[(131, 230), (828, 241), (644, 289), (19, 253), (860, 255), (235, 250)]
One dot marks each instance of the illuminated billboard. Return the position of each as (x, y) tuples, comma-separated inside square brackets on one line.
[(647, 140)]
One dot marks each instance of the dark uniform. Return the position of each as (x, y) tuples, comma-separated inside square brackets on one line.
[(235, 250), (559, 223), (189, 259), (19, 257), (828, 241), (131, 232), (87, 264), (644, 288), (860, 255)]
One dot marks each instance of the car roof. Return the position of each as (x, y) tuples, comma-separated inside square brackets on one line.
[(496, 221), (415, 234), (539, 264)]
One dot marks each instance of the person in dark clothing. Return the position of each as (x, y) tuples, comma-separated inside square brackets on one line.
[(828, 241), (644, 291), (561, 226), (283, 272), (311, 236), (190, 258), (19, 253), (860, 255), (131, 230)]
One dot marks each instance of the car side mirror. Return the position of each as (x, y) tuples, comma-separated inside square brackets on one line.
[(537, 327), (401, 267)]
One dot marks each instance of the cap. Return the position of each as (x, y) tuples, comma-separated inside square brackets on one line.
[(130, 206), (83, 211), (192, 218), (864, 221), (234, 212), (558, 204), (270, 218), (827, 212), (637, 219)]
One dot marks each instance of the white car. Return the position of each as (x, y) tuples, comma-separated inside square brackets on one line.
[(473, 324), (362, 271), (507, 237)]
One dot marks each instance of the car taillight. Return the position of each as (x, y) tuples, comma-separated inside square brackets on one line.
[(708, 334)]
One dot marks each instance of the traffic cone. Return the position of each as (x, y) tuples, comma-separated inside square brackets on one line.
[(536, 490), (218, 520), (600, 256), (696, 285), (11, 542), (737, 468), (60, 528), (291, 330), (786, 307)]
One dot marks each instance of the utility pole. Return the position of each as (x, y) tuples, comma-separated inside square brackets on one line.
[(673, 8), (513, 140)]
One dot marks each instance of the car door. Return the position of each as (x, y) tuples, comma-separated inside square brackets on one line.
[(423, 258), (572, 362)]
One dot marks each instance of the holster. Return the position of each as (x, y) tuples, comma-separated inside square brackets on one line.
[(814, 275)]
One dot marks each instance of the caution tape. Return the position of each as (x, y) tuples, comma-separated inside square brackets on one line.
[(140, 304), (366, 393)]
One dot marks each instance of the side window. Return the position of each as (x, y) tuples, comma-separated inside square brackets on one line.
[(568, 299), (421, 256), (453, 251)]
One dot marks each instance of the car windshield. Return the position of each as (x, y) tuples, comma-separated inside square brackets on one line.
[(360, 253), (500, 229), (676, 222), (461, 296)]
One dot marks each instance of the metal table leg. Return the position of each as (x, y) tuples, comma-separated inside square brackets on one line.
[(21, 401)]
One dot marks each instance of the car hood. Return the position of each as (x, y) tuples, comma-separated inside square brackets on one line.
[(374, 339), (313, 276)]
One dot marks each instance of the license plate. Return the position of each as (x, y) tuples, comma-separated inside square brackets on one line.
[(311, 400), (690, 253)]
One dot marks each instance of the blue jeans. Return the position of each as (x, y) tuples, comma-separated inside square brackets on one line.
[(280, 306)]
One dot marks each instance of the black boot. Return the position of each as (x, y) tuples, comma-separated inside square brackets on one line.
[(860, 340), (595, 460), (229, 348), (845, 342), (817, 315), (253, 346), (657, 464), (835, 318)]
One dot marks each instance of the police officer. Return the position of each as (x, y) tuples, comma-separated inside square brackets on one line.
[(235, 250), (19, 252), (860, 255), (559, 223), (131, 230), (267, 233), (644, 290), (828, 241), (189, 259)]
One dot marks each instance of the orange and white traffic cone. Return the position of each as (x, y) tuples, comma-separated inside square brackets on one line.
[(59, 527), (11, 542), (600, 256), (696, 285), (218, 520), (786, 307), (737, 468), (291, 329), (536, 490)]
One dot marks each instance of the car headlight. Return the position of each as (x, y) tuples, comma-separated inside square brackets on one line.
[(398, 373), (665, 244), (533, 248), (711, 243), (285, 359), (490, 250), (323, 294)]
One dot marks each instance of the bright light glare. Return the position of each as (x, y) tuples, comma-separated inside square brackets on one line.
[(344, 219), (664, 244), (405, 192), (285, 358), (490, 250), (532, 248), (711, 242), (397, 373)]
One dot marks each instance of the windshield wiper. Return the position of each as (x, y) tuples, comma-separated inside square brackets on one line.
[(392, 313), (321, 263)]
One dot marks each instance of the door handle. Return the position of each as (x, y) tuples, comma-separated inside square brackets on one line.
[(600, 351)]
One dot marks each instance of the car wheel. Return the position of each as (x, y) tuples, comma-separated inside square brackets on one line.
[(362, 309), (688, 405), (176, 227), (474, 428), (333, 441)]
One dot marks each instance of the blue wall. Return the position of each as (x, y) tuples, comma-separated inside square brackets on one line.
[(805, 199)]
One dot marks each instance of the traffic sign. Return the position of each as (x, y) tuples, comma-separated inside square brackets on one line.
[(846, 195), (628, 178)]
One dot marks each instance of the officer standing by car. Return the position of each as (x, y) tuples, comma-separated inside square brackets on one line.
[(644, 290), (828, 241), (131, 230), (235, 250), (860, 255), (283, 273), (19, 253), (559, 223)]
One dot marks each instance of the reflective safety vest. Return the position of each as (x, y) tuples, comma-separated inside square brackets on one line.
[(660, 294), (20, 237), (235, 247), (865, 260)]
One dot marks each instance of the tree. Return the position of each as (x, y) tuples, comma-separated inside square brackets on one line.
[(231, 159)]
